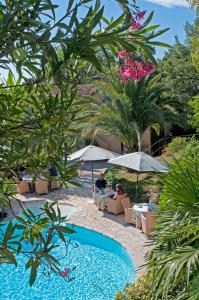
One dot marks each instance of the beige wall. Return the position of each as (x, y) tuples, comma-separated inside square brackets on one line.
[(113, 144), (109, 142)]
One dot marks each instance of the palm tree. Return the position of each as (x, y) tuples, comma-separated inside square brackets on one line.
[(173, 262), (129, 109)]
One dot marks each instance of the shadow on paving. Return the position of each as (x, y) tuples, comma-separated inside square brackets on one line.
[(116, 218)]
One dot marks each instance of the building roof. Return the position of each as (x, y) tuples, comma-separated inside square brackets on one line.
[(86, 90), (82, 90)]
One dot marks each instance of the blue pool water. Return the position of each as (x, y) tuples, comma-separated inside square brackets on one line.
[(101, 267)]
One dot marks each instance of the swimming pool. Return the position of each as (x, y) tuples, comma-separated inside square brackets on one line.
[(101, 267)]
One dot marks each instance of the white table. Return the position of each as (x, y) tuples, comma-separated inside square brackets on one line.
[(139, 209), (29, 178)]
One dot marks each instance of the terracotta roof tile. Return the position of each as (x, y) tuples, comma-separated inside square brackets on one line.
[(82, 90), (85, 90)]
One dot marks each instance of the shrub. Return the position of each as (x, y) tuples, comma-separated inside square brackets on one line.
[(137, 291), (177, 145), (173, 262), (183, 146), (111, 176)]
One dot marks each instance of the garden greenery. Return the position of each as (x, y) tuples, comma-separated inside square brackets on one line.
[(173, 264), (129, 109)]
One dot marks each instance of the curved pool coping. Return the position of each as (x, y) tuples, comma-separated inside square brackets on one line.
[(138, 267), (89, 217), (123, 253), (131, 238)]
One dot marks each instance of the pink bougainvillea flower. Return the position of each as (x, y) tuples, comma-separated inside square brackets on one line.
[(122, 54), (141, 14), (135, 70), (135, 25)]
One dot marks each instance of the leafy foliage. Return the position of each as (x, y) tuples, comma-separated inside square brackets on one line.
[(176, 145), (129, 109), (135, 191), (34, 235), (194, 103), (194, 3), (179, 76), (182, 146), (31, 33), (172, 266)]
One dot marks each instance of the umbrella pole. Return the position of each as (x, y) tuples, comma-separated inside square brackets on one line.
[(137, 186), (92, 177)]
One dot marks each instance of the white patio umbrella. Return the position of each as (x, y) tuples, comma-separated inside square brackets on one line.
[(93, 154), (140, 162)]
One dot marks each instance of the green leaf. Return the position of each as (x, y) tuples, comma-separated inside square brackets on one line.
[(97, 5), (61, 235), (148, 29), (9, 232), (91, 57), (33, 273), (29, 263), (19, 54), (21, 220), (66, 229), (9, 256), (116, 23), (158, 33), (161, 44), (148, 20), (73, 17), (51, 8), (10, 81), (96, 19), (52, 258), (70, 4)]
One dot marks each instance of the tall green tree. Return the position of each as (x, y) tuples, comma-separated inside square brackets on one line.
[(179, 76), (129, 109)]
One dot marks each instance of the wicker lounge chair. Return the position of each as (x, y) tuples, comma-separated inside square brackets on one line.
[(41, 187), (54, 185), (128, 209), (148, 222), (115, 206), (23, 187)]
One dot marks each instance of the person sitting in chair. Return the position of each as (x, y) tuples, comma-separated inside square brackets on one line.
[(52, 170), (119, 190), (101, 183)]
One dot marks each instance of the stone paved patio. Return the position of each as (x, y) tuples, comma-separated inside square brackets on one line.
[(78, 205)]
